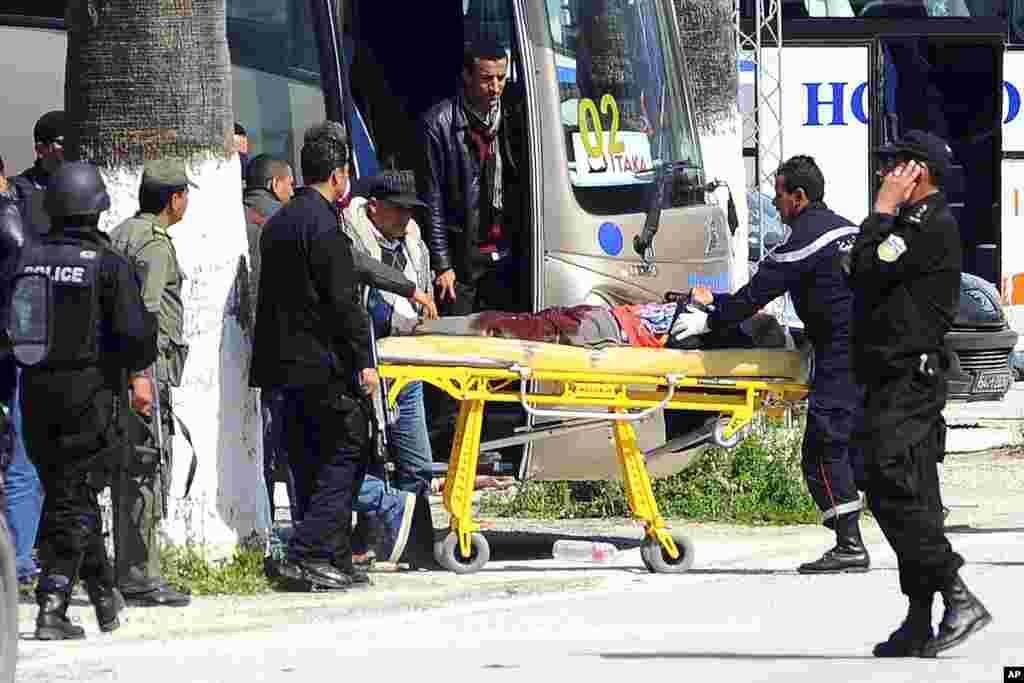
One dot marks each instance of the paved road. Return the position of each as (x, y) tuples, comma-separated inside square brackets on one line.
[(742, 614)]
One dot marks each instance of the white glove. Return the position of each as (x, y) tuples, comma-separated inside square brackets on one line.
[(690, 324)]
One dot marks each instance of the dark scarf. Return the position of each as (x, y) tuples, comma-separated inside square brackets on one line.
[(487, 127)]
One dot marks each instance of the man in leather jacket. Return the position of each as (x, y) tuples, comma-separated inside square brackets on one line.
[(467, 181)]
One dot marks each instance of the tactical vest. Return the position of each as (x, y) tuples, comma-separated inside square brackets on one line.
[(69, 312)]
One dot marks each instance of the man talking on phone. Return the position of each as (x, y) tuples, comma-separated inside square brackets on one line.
[(904, 270)]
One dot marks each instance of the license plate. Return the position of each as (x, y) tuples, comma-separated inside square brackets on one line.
[(992, 382)]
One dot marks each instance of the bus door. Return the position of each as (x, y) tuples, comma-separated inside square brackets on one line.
[(951, 86)]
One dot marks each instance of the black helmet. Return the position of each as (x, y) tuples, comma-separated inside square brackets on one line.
[(76, 189)]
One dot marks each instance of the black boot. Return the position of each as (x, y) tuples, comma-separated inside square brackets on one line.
[(913, 635), (963, 617), (52, 623), (107, 602), (849, 553)]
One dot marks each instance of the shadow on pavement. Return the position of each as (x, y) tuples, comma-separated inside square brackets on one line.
[(968, 529), (533, 545), (730, 655)]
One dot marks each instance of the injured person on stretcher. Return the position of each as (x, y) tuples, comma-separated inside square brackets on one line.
[(636, 325), (643, 325)]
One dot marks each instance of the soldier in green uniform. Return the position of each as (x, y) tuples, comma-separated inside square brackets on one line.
[(140, 492)]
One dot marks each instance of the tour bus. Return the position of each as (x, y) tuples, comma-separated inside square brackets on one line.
[(604, 121), (855, 74)]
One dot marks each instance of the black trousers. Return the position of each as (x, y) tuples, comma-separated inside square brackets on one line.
[(68, 419), (905, 440), (327, 434)]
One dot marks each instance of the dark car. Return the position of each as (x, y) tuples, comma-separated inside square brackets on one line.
[(982, 344), (983, 367)]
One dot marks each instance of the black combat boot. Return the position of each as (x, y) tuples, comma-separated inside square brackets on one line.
[(107, 602), (963, 617), (913, 635), (849, 553), (52, 623)]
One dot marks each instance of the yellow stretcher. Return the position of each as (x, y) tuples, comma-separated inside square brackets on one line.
[(619, 384)]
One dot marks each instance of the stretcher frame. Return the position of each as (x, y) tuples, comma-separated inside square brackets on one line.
[(627, 398)]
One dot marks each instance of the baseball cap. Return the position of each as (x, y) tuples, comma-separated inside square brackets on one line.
[(50, 127), (919, 144), (166, 173), (390, 188)]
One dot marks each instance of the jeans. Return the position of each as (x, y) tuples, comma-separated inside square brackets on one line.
[(275, 455), (372, 499), (326, 438), (24, 498), (409, 438)]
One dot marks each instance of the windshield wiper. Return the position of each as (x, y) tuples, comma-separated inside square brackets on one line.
[(664, 175)]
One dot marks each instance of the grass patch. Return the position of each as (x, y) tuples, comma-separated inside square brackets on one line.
[(758, 482), (186, 568)]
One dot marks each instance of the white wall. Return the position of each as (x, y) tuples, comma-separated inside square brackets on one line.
[(32, 81)]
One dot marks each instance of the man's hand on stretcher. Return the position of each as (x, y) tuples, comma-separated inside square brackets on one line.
[(693, 321), (427, 301)]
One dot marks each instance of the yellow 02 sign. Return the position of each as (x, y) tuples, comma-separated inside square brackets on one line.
[(590, 124)]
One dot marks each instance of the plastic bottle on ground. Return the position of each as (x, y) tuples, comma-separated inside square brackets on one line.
[(584, 551)]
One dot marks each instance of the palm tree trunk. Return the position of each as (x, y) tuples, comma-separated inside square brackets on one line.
[(150, 79), (147, 79), (708, 39)]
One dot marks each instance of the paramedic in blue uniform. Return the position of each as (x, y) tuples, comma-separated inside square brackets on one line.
[(808, 266), (905, 273)]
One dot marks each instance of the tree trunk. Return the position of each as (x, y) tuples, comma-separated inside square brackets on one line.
[(147, 79), (709, 45), (151, 79)]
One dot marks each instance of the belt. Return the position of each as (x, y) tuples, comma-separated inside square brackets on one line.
[(494, 252)]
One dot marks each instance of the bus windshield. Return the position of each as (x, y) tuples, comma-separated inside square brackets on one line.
[(622, 108)]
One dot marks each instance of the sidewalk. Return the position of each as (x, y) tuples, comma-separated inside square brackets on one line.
[(985, 425)]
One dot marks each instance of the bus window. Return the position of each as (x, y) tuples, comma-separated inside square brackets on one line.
[(884, 9), (621, 106), (33, 9), (1016, 12), (275, 74)]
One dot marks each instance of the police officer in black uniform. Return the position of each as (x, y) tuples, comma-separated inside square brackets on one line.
[(808, 266), (905, 273), (99, 331)]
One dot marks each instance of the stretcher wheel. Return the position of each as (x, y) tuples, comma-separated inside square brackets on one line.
[(719, 434), (657, 560), (449, 556)]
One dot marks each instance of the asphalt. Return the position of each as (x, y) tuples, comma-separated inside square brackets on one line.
[(741, 614)]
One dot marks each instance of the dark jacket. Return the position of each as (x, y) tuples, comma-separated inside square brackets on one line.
[(448, 181), (310, 328), (905, 272), (127, 330), (12, 239), (260, 204), (30, 187), (808, 267)]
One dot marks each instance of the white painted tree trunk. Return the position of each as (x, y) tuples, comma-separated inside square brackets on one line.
[(228, 498)]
